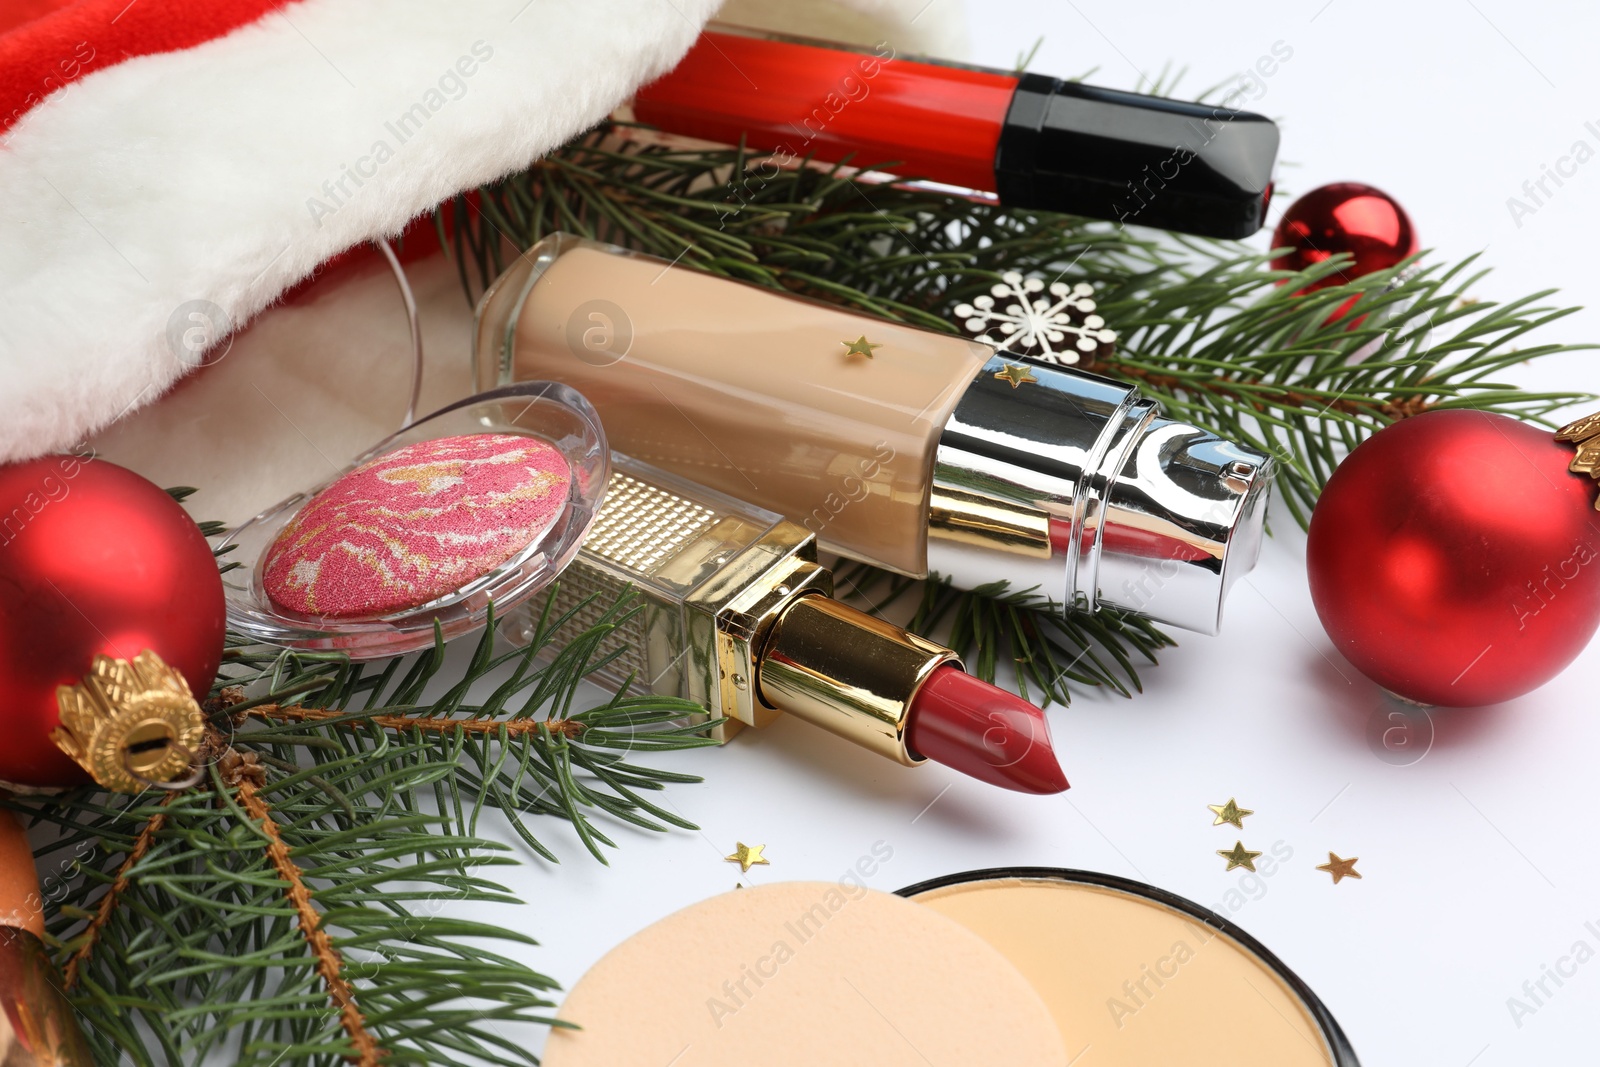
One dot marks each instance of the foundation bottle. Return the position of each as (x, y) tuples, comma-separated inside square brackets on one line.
[(917, 451)]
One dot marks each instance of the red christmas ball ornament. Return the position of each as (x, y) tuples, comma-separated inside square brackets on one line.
[(1454, 557), (95, 560), (1367, 223)]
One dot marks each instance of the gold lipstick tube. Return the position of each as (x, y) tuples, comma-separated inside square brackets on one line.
[(738, 616)]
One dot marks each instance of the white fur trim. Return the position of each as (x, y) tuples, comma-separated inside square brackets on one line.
[(910, 27), (193, 176)]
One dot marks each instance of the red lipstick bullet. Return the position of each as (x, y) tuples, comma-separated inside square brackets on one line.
[(980, 729), (903, 696)]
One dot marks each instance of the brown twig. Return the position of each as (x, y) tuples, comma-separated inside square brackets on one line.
[(330, 964), (429, 724), (108, 902), (1393, 409)]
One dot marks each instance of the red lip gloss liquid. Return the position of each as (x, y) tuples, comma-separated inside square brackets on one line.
[(1034, 141), (938, 122)]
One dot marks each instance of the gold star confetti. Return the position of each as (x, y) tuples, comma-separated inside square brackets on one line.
[(747, 856), (1239, 856), (1016, 374), (859, 347), (1340, 869), (1229, 813)]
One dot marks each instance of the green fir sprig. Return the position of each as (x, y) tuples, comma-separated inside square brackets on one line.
[(303, 904)]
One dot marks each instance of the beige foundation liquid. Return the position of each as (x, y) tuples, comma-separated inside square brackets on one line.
[(753, 393)]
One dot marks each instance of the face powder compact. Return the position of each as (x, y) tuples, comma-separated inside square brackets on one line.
[(481, 503), (1134, 975), (1036, 967)]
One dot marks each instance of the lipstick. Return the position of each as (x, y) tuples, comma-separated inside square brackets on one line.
[(920, 452), (738, 616), (1035, 142), (958, 717)]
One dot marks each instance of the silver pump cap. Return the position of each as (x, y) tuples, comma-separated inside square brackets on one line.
[(1077, 488)]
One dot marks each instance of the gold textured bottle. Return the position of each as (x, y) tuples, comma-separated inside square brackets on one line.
[(918, 451)]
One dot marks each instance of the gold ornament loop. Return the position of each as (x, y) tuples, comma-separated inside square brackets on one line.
[(197, 771), (1584, 434), (131, 725)]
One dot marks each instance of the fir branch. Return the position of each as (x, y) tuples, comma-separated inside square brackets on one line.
[(1206, 327), (510, 757), (109, 899), (1049, 649), (299, 906), (330, 965), (424, 723)]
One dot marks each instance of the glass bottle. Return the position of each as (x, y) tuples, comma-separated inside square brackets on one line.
[(917, 451)]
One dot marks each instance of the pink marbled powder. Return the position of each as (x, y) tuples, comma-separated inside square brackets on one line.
[(416, 524)]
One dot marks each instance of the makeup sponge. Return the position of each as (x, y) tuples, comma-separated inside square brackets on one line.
[(804, 973)]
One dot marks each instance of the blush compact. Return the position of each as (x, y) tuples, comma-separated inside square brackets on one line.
[(481, 503)]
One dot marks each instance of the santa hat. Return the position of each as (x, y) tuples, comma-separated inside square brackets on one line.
[(158, 156)]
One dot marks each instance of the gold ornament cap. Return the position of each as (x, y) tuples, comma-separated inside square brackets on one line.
[(130, 724), (1584, 434)]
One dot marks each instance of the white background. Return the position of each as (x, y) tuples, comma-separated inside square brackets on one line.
[(1479, 860)]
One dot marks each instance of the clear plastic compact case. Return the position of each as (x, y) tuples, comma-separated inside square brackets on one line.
[(482, 503)]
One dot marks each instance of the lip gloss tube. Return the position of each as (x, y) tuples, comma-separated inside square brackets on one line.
[(738, 616), (917, 451), (1036, 142)]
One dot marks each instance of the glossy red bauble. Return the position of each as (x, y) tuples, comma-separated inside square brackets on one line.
[(1455, 560), (93, 559), (1367, 223)]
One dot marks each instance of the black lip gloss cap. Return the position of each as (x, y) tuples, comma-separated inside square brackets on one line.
[(1138, 159)]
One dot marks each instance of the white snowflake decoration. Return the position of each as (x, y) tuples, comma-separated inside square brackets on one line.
[(1054, 329)]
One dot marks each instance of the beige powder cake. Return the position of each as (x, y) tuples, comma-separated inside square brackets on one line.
[(1133, 982), (804, 973)]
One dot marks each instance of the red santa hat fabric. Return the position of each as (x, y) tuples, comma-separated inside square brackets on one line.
[(158, 156), (171, 167)]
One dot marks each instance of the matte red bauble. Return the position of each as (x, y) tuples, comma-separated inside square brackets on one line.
[(1455, 560), (93, 560), (1350, 217)]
